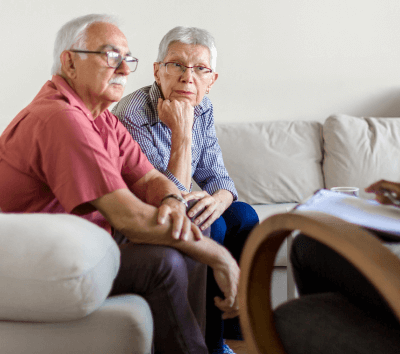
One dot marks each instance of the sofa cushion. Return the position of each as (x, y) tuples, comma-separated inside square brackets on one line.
[(53, 267), (360, 151), (264, 211), (273, 162)]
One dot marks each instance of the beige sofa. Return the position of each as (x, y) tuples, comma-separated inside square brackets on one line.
[(276, 165), (54, 283)]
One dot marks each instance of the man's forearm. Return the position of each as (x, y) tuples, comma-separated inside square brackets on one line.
[(138, 222), (153, 187)]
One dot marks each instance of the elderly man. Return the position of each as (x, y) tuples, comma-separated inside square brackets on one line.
[(173, 122), (66, 153)]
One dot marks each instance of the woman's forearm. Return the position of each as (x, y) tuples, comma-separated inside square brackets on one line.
[(180, 162)]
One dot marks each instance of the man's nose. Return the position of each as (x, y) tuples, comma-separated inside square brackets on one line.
[(123, 68)]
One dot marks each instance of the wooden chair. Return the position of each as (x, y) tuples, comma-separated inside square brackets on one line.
[(358, 246)]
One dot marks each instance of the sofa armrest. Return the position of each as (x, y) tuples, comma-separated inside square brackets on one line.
[(53, 267)]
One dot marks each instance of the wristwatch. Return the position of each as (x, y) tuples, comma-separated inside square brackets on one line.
[(177, 197)]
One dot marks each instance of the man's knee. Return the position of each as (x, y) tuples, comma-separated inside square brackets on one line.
[(159, 264), (167, 259)]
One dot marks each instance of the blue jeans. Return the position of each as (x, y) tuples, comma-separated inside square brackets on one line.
[(231, 229)]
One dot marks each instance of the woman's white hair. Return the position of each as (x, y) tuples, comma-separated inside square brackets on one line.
[(73, 35), (188, 35)]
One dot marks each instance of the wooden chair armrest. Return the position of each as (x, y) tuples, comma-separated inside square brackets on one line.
[(361, 248)]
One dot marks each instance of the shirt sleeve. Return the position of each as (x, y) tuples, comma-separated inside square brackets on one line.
[(73, 160), (211, 174), (144, 136), (134, 163)]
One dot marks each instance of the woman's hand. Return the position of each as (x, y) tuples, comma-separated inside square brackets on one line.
[(212, 205), (176, 115), (382, 186)]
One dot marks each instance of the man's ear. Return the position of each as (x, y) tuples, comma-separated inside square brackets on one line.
[(213, 79), (68, 64), (156, 69)]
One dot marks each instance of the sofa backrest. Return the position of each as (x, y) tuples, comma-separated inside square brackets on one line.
[(359, 151), (273, 162)]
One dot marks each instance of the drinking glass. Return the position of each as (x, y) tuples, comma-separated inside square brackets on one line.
[(354, 191)]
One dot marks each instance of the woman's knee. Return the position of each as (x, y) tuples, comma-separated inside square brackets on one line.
[(242, 215), (218, 230)]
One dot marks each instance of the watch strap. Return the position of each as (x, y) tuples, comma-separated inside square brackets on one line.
[(177, 197)]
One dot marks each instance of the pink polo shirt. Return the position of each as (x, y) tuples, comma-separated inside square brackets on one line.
[(54, 156)]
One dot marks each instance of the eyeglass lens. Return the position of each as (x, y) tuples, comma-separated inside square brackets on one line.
[(115, 59), (178, 69)]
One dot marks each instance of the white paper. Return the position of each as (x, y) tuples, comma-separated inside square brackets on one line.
[(367, 213)]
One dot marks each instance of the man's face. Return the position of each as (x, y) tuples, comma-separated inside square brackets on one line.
[(185, 87), (94, 78)]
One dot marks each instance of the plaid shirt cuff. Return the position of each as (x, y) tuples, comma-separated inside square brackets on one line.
[(212, 187), (180, 186)]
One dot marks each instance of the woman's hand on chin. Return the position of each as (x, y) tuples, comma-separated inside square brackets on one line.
[(176, 115)]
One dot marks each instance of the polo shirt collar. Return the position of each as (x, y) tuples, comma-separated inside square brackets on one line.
[(68, 92), (155, 94)]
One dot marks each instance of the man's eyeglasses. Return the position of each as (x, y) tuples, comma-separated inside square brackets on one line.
[(114, 59), (176, 69)]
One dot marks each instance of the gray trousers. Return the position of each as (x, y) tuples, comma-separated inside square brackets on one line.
[(338, 311), (174, 285)]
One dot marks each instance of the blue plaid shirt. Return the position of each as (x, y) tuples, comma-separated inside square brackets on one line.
[(138, 113)]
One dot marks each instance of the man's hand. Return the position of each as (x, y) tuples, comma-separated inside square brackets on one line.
[(213, 205), (227, 278), (382, 186), (176, 115), (181, 224)]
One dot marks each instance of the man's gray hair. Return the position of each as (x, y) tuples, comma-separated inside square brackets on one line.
[(188, 35), (73, 35)]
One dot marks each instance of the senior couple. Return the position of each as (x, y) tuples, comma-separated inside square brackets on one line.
[(66, 153)]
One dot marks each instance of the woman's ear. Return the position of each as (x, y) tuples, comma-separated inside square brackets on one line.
[(213, 79), (156, 70)]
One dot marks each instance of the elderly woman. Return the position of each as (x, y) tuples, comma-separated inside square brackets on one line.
[(173, 122)]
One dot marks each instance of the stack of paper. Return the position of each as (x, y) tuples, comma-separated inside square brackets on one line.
[(367, 213)]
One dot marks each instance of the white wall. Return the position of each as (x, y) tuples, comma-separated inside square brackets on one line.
[(278, 59)]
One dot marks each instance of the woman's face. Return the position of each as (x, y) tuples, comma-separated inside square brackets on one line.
[(187, 86)]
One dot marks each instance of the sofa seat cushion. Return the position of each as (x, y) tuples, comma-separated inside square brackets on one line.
[(53, 267), (122, 324), (360, 151), (266, 210), (273, 162)]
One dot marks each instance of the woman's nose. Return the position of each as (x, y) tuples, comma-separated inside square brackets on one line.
[(187, 75)]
